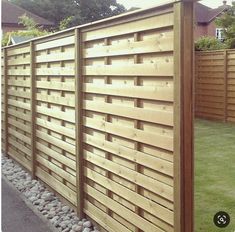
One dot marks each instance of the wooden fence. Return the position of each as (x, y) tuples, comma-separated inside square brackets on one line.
[(215, 85), (102, 113)]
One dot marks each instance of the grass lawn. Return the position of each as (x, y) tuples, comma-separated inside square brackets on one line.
[(214, 174)]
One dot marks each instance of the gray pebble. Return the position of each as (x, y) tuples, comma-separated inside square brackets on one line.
[(86, 229), (87, 224), (77, 228)]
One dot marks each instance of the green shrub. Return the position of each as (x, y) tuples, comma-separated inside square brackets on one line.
[(206, 43)]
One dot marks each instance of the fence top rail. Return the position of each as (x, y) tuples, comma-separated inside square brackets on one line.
[(215, 51), (125, 16)]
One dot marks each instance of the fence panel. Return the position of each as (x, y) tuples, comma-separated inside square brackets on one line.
[(214, 85), (128, 124), (55, 110), (230, 86), (102, 113), (18, 104)]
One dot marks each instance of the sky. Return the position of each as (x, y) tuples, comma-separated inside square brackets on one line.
[(146, 3)]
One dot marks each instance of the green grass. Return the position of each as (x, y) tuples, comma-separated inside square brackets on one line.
[(214, 174)]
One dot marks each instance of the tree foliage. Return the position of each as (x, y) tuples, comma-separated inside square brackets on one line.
[(81, 11), (206, 43), (227, 22), (32, 30)]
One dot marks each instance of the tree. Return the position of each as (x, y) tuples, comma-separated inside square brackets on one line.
[(81, 11), (206, 43), (32, 30), (227, 22)]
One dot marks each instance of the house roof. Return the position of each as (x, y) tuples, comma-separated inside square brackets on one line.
[(12, 12), (206, 14)]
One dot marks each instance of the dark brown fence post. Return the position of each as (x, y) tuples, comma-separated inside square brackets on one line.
[(183, 111), (5, 100), (78, 121), (225, 85), (33, 106)]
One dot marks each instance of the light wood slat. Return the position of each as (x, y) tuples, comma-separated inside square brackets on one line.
[(17, 51), (66, 116), (21, 160), (19, 136), (18, 72), (56, 142), (148, 69), (20, 115), (160, 21), (62, 189), (103, 219), (53, 57), (56, 85), (55, 155), (18, 93), (121, 210), (57, 128), (19, 146), (60, 71), (19, 61), (62, 173), (137, 199), (157, 116), (161, 93), (19, 104), (19, 125), (153, 139), (55, 43), (24, 83), (157, 44), (149, 183), (142, 158), (56, 100)]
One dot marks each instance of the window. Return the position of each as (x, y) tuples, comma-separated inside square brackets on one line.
[(219, 33)]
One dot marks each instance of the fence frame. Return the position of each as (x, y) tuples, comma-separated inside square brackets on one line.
[(183, 124)]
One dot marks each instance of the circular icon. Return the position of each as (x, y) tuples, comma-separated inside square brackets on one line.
[(221, 219)]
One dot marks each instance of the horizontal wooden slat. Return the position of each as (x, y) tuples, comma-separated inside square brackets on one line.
[(157, 140), (60, 71), (155, 116), (156, 44), (160, 21), (161, 69), (55, 43), (66, 116), (19, 146), (56, 85), (24, 83), (153, 185), (161, 93), (18, 72), (19, 61), (56, 100), (54, 57), (17, 93), (20, 115), (57, 128), (17, 51)]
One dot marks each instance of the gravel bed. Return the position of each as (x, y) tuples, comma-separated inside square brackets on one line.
[(60, 215)]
